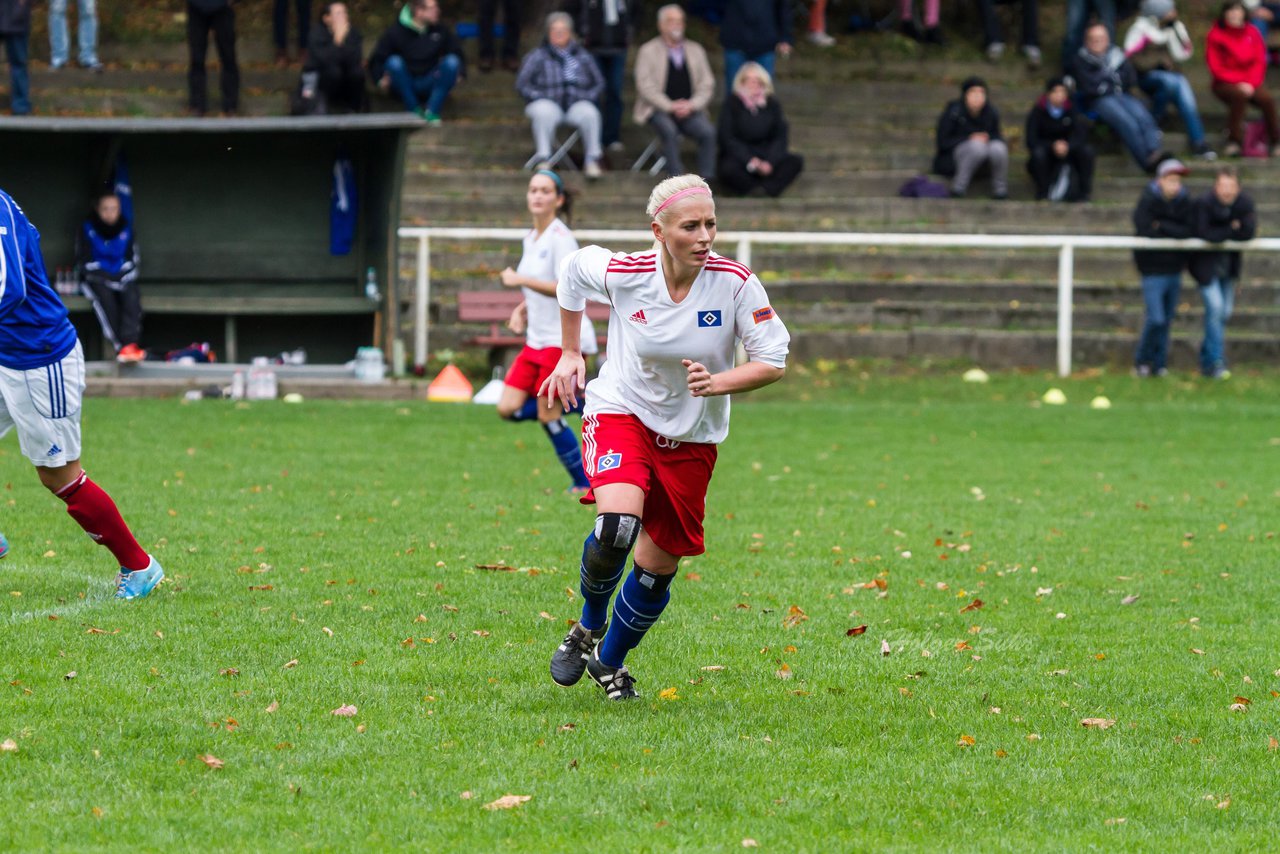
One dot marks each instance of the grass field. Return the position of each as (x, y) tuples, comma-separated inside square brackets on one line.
[(327, 554)]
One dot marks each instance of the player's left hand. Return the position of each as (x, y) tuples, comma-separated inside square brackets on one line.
[(701, 383), (510, 278)]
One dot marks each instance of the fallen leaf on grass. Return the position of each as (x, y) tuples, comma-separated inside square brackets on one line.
[(885, 649), (345, 711), (466, 796), (714, 668), (544, 615), (1197, 651), (97, 812), (212, 761), (290, 664), (972, 606), (70, 675), (1238, 707), (1112, 822), (328, 631), (856, 630), (566, 727), (748, 842), (1044, 591), (670, 693), (795, 616), (1243, 700), (1223, 804), (784, 672), (228, 671), (452, 609), (1272, 744), (1033, 736), (1129, 600), (966, 741), (1097, 723), (507, 802), (271, 708), (11, 746), (495, 567)]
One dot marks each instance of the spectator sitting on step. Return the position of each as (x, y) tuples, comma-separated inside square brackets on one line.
[(1164, 210), (932, 33), (1103, 77), (1237, 59), (333, 75), (107, 258), (1223, 213), (753, 136), (1057, 138), (1079, 19), (754, 31), (674, 85), (968, 137), (1157, 43), (560, 84), (419, 59)]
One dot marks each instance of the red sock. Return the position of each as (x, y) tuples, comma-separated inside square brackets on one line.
[(94, 511)]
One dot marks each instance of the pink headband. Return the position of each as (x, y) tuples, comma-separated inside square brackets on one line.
[(692, 191)]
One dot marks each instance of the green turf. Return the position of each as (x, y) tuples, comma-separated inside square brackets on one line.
[(361, 526)]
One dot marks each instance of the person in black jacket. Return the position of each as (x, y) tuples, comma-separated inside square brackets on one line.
[(1057, 139), (15, 32), (968, 137), (753, 31), (1224, 213), (1164, 210), (334, 71), (753, 137), (604, 29), (419, 59), (107, 260), (203, 16), (1103, 77)]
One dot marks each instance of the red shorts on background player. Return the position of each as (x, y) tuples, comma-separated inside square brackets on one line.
[(655, 414)]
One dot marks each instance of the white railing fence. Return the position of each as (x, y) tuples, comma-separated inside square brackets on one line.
[(1066, 245)]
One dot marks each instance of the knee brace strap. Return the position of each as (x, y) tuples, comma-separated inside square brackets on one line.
[(606, 551)]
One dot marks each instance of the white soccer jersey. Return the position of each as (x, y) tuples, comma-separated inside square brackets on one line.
[(649, 335), (543, 255)]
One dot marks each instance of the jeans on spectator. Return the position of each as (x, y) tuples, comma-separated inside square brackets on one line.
[(1131, 119), (971, 154), (16, 49), (86, 33), (431, 88), (1219, 298), (223, 23), (1160, 295), (992, 31), (280, 23), (1167, 87), (1078, 18), (546, 115), (511, 14), (735, 59), (696, 126), (613, 67), (1236, 102)]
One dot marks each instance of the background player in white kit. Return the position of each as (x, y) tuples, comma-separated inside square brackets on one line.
[(41, 383), (546, 246), (655, 413)]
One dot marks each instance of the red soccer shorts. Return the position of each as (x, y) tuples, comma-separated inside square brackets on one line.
[(674, 476), (531, 368)]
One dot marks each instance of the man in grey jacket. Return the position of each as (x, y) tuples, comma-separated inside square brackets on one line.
[(674, 85)]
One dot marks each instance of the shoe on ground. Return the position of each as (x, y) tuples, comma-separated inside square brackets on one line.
[(820, 39), (616, 147), (592, 170), (1032, 53), (1204, 152), (131, 353), (617, 682), (933, 36), (4, 546), (432, 120), (140, 582), (569, 661), (995, 51), (1231, 149), (1142, 371), (1000, 197), (909, 29)]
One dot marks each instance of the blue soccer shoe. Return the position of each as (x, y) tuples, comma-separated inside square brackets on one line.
[(140, 582)]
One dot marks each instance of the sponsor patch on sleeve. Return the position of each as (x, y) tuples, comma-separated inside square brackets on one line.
[(762, 314)]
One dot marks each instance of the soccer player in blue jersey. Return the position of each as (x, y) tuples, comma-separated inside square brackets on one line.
[(41, 383)]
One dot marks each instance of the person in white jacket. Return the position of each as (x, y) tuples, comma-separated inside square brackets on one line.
[(1157, 43)]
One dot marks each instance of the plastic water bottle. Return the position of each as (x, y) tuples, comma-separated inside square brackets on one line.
[(371, 285), (262, 380), (369, 367)]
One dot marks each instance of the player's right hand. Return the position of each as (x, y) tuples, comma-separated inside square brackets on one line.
[(569, 377)]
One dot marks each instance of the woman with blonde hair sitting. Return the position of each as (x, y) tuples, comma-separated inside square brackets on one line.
[(753, 137)]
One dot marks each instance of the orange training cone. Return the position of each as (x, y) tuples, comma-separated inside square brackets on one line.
[(450, 386)]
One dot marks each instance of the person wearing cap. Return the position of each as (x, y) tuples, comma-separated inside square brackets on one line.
[(1237, 59), (1163, 211), (1103, 78), (968, 138), (1157, 43), (1223, 213), (1057, 138)]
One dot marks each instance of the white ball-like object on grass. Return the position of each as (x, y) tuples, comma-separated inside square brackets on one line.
[(1100, 402), (975, 375), (292, 397), (1054, 397)]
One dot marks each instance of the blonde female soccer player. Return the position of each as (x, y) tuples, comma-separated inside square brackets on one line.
[(655, 414), (546, 246)]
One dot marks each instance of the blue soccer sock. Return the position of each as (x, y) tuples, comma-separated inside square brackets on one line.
[(528, 412), (565, 441), (597, 584), (637, 608)]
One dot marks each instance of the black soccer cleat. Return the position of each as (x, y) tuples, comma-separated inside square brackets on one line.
[(569, 661), (617, 682)]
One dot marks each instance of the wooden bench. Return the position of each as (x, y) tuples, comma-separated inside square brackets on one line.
[(495, 307)]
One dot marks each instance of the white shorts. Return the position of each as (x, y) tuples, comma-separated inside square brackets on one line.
[(44, 404)]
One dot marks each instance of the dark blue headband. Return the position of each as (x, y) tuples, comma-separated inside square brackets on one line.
[(554, 177)]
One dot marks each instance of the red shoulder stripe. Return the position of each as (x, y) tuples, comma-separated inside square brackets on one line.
[(738, 271), (720, 259)]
